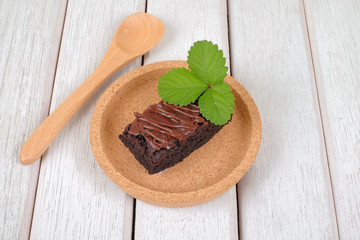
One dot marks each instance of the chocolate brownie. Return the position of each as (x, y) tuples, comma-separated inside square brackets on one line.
[(164, 134)]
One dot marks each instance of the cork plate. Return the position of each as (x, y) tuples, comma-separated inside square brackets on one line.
[(206, 174)]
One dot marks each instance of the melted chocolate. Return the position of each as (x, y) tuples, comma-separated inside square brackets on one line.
[(164, 124)]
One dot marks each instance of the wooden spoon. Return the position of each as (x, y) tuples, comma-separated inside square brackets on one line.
[(136, 35)]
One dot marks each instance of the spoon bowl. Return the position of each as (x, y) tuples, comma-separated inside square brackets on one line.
[(139, 33)]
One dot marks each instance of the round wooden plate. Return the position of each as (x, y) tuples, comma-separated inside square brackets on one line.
[(206, 174)]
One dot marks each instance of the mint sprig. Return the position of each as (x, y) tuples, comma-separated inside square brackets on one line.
[(204, 82)]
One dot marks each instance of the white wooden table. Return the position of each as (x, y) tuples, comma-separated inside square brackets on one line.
[(300, 60)]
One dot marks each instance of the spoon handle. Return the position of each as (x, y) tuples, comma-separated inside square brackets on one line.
[(43, 136)]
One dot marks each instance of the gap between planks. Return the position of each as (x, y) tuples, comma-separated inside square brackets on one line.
[(134, 202), (313, 70), (230, 72), (50, 100)]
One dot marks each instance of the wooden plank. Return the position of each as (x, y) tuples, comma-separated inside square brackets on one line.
[(75, 199), (30, 37), (287, 193), (334, 33), (216, 219), (187, 22)]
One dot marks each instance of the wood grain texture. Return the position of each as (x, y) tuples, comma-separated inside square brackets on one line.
[(287, 192), (185, 23), (30, 33), (212, 220), (75, 199), (334, 32)]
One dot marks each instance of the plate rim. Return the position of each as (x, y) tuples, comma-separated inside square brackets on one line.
[(171, 199)]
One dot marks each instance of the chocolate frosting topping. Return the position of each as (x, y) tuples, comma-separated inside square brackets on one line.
[(163, 124)]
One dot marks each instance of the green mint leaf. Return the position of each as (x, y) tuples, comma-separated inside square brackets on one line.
[(217, 104), (207, 62), (179, 86), (204, 82)]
